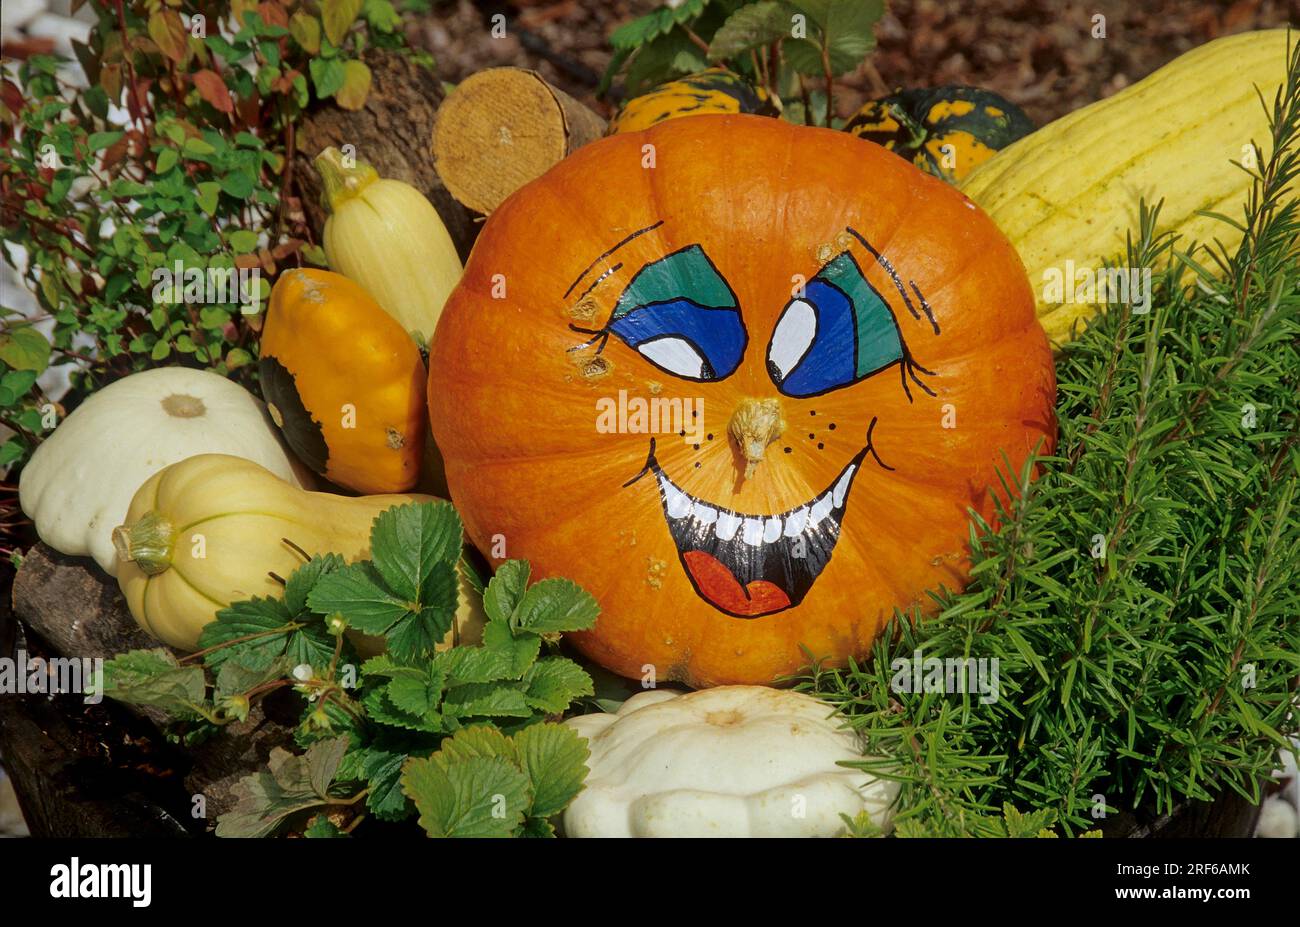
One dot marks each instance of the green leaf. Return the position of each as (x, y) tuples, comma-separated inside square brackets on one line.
[(265, 621), (385, 798), (352, 93), (327, 75), (98, 141), (302, 580), (505, 590), (418, 695), (555, 759), (167, 159), (486, 700), (234, 678), (517, 652), (154, 677), (407, 541), (751, 26), (419, 632), (243, 241), (338, 16), (305, 30), (556, 605), (289, 785), (322, 827), (481, 740), (478, 797), (554, 683), (358, 591), (239, 184), (476, 664), (23, 347), (208, 193)]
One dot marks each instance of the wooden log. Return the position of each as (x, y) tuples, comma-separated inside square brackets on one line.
[(391, 132), (78, 611), (500, 129)]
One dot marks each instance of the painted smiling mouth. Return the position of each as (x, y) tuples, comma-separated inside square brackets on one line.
[(754, 565)]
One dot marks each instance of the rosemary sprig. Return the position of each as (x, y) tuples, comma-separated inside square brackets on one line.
[(1142, 597)]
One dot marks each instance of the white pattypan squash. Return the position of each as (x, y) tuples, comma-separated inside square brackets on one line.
[(735, 761), (79, 482)]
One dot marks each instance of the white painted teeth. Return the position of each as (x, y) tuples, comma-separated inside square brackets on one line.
[(703, 514), (756, 529), (676, 502), (842, 485), (726, 526), (771, 530)]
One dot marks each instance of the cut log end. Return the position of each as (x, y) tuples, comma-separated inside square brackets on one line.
[(502, 128)]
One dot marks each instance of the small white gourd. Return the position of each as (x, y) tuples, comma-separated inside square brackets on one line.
[(735, 761), (79, 482)]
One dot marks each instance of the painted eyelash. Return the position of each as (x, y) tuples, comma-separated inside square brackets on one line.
[(898, 281)]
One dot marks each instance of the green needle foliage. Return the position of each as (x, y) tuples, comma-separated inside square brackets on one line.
[(1142, 596)]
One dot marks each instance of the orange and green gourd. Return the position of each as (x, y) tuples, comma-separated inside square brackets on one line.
[(947, 131)]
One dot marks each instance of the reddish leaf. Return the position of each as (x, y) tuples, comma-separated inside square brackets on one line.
[(213, 89), (168, 33), (273, 14), (12, 96)]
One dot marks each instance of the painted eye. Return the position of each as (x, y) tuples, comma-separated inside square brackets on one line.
[(680, 315), (838, 332), (677, 356), (792, 339)]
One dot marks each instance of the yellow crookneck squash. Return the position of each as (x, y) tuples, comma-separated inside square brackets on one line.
[(747, 401), (386, 235), (211, 530), (1068, 195), (344, 382)]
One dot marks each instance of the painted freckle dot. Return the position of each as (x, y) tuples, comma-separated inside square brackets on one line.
[(820, 446), (697, 447), (787, 450), (710, 437), (811, 436), (832, 426)]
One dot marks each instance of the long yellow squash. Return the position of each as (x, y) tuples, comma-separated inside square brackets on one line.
[(211, 530), (1070, 191), (386, 235)]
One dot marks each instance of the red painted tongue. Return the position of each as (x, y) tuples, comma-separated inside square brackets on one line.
[(721, 588)]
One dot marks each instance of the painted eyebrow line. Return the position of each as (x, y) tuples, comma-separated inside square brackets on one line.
[(648, 228), (898, 283)]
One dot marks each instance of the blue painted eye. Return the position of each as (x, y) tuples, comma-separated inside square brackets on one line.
[(680, 315), (838, 332)]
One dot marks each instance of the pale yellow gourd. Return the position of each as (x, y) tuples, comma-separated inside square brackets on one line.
[(211, 530), (1070, 191), (385, 235)]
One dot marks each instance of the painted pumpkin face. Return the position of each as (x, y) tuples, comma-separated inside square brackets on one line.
[(742, 380)]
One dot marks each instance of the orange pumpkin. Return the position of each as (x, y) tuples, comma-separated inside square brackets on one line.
[(741, 380)]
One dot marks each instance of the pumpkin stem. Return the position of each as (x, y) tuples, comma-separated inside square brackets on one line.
[(147, 543), (340, 180), (755, 424)]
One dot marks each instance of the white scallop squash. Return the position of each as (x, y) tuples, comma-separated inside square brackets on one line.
[(79, 482), (732, 761)]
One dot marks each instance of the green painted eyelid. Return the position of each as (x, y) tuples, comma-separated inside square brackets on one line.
[(878, 341), (685, 274)]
